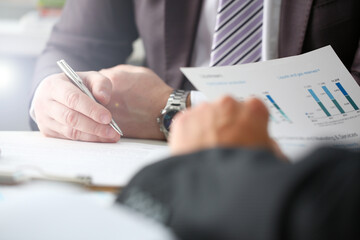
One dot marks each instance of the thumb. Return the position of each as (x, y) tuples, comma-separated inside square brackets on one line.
[(99, 85)]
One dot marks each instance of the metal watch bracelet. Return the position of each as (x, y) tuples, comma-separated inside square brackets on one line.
[(175, 103)]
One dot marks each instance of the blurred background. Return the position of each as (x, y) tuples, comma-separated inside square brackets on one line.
[(25, 26)]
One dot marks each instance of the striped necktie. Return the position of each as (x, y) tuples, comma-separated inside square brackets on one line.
[(238, 32)]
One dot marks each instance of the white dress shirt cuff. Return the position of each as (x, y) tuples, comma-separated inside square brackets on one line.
[(32, 109), (197, 97)]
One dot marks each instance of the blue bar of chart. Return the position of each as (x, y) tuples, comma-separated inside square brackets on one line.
[(319, 102), (333, 99), (347, 96), (278, 108)]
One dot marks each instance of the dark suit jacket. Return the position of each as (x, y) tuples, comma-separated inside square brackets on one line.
[(95, 34), (250, 194)]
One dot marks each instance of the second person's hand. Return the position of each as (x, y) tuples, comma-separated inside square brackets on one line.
[(223, 123)]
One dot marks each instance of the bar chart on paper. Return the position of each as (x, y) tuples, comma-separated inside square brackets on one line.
[(312, 98), (347, 96), (332, 102), (277, 114)]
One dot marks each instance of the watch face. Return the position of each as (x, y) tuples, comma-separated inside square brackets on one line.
[(168, 117)]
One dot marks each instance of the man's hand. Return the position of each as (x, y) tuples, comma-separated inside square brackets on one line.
[(64, 111), (224, 123), (138, 96), (133, 96)]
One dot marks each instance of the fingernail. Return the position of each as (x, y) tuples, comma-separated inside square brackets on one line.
[(105, 119)]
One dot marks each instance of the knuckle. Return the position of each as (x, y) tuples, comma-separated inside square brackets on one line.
[(72, 99), (99, 130), (72, 134), (71, 118), (93, 112), (228, 104), (227, 100)]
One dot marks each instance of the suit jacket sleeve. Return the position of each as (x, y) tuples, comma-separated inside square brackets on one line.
[(248, 194), (355, 68), (90, 35)]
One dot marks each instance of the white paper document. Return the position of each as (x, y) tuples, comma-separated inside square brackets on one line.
[(312, 98), (109, 164)]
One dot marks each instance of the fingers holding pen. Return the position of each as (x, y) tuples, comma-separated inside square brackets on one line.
[(73, 98), (64, 111), (66, 132), (79, 122), (99, 85)]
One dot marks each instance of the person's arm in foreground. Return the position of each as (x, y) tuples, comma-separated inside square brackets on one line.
[(92, 35), (242, 188)]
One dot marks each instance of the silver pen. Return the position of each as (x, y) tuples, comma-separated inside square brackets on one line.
[(71, 74)]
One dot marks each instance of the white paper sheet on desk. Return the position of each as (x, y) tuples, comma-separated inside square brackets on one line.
[(312, 98), (107, 164)]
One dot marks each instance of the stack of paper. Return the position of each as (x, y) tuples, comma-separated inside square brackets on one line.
[(312, 98)]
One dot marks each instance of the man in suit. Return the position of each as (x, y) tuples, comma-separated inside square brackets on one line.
[(228, 180), (94, 35)]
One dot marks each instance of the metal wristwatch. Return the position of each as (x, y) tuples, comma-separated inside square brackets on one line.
[(176, 103)]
